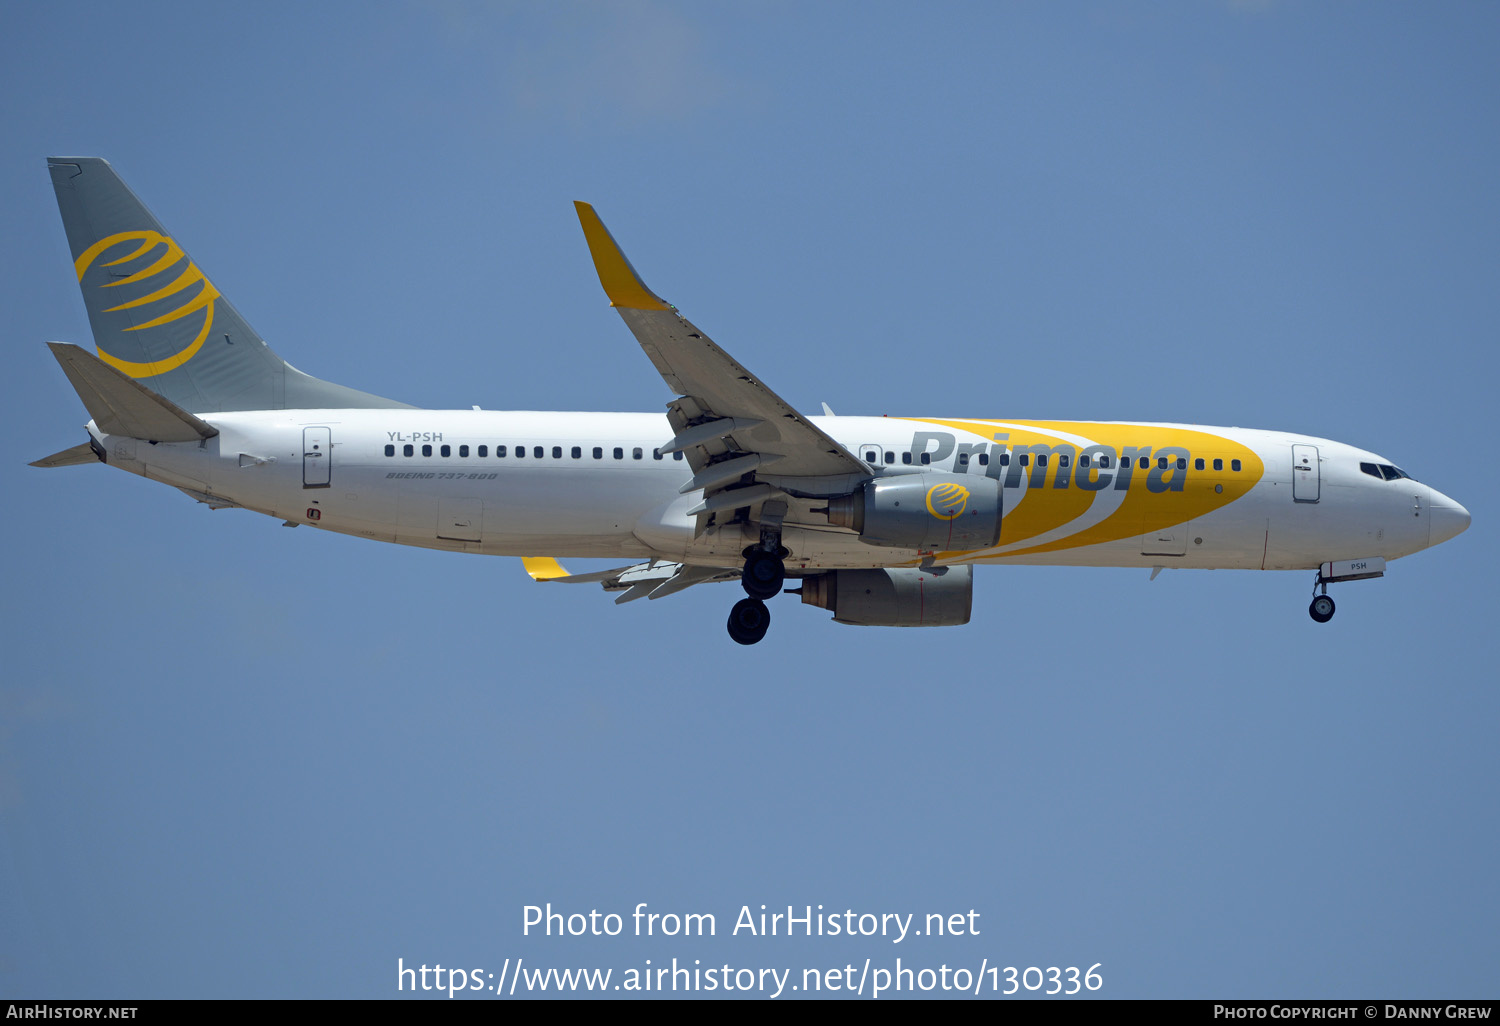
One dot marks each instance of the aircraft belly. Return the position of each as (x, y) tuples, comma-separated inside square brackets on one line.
[(562, 512)]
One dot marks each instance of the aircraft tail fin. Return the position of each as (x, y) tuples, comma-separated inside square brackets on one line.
[(158, 320), (121, 406)]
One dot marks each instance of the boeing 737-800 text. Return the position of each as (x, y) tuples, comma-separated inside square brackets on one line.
[(879, 519)]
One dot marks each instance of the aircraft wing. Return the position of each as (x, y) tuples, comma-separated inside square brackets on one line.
[(745, 443), (643, 580)]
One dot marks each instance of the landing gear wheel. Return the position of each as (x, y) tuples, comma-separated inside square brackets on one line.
[(1321, 609), (748, 621), (763, 575)]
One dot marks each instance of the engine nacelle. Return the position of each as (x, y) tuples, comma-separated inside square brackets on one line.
[(929, 512), (909, 597)]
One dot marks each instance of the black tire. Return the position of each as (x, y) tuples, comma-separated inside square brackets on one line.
[(1321, 609), (763, 575), (748, 621)]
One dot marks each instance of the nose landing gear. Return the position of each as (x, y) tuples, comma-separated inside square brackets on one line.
[(1321, 609)]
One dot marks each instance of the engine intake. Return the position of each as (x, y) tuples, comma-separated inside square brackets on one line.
[(923, 511), (909, 597)]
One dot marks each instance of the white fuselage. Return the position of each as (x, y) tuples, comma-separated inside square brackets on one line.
[(594, 485)]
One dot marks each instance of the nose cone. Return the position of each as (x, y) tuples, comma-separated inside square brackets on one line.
[(1448, 518)]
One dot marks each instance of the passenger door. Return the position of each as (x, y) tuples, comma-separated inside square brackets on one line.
[(1306, 477), (317, 453)]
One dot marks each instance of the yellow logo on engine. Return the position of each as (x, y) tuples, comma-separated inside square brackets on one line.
[(173, 254), (947, 501)]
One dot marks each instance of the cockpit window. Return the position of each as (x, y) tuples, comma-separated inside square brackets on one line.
[(1384, 471)]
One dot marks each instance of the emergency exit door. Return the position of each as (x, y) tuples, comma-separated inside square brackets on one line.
[(317, 452)]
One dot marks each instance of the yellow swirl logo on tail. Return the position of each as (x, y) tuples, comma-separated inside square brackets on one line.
[(947, 501), (172, 254)]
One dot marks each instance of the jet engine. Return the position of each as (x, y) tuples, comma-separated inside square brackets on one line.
[(928, 512), (908, 597)]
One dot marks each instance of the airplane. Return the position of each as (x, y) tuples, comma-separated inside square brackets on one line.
[(878, 520)]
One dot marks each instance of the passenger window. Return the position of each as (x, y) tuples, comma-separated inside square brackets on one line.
[(984, 459), (578, 452), (655, 454), (1083, 460), (870, 456), (463, 450), (1198, 464), (1104, 462), (906, 457), (406, 450), (926, 458), (390, 450), (963, 459), (1025, 460), (1218, 464), (483, 451), (1062, 461), (1145, 462), (446, 450), (890, 457), (557, 452), (500, 452), (426, 450), (677, 455), (1005, 459), (619, 453), (1161, 463), (599, 453), (1234, 465), (1041, 460), (520, 451), (635, 453), (537, 451), (1182, 463)]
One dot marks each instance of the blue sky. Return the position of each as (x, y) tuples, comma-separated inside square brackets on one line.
[(237, 760)]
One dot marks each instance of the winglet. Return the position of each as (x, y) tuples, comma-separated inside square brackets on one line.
[(621, 284), (543, 568)]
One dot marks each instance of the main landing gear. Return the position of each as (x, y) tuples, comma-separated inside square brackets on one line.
[(763, 574), (762, 578), (749, 620)]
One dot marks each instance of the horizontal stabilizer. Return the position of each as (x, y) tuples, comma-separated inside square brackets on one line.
[(120, 406), (81, 453)]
